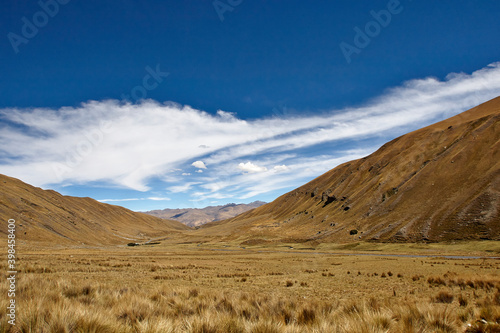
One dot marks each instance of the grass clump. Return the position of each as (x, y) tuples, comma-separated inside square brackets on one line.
[(444, 297)]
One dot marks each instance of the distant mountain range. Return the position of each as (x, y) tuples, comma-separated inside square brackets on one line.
[(439, 183), (194, 217)]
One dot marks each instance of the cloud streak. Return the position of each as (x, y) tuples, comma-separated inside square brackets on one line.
[(135, 199), (128, 145)]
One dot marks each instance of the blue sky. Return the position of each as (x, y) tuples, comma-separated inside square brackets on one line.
[(155, 104)]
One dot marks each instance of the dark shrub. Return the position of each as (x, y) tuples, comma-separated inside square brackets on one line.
[(443, 297)]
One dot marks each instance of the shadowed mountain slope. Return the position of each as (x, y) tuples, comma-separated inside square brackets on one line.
[(47, 217), (197, 216), (439, 183)]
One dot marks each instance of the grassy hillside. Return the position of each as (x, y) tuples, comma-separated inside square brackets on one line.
[(47, 217), (439, 183)]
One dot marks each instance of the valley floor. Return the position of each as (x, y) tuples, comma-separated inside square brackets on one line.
[(191, 288)]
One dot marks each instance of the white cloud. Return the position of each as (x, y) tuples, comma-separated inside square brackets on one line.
[(244, 186), (128, 145), (280, 168), (135, 199), (182, 188), (199, 165), (119, 200), (204, 196), (158, 199), (186, 174), (251, 168)]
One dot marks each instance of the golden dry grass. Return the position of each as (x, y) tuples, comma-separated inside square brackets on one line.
[(188, 289)]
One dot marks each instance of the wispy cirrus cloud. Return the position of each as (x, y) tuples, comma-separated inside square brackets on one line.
[(137, 146), (135, 199)]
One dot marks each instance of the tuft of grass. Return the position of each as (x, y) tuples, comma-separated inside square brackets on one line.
[(444, 297), (134, 313), (436, 281), (306, 317), (194, 293), (462, 301), (265, 327), (225, 305), (496, 298)]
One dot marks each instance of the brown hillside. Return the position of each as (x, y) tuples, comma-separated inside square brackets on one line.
[(439, 183), (47, 217)]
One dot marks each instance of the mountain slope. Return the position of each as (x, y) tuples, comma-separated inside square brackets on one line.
[(45, 216), (197, 216), (439, 183)]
